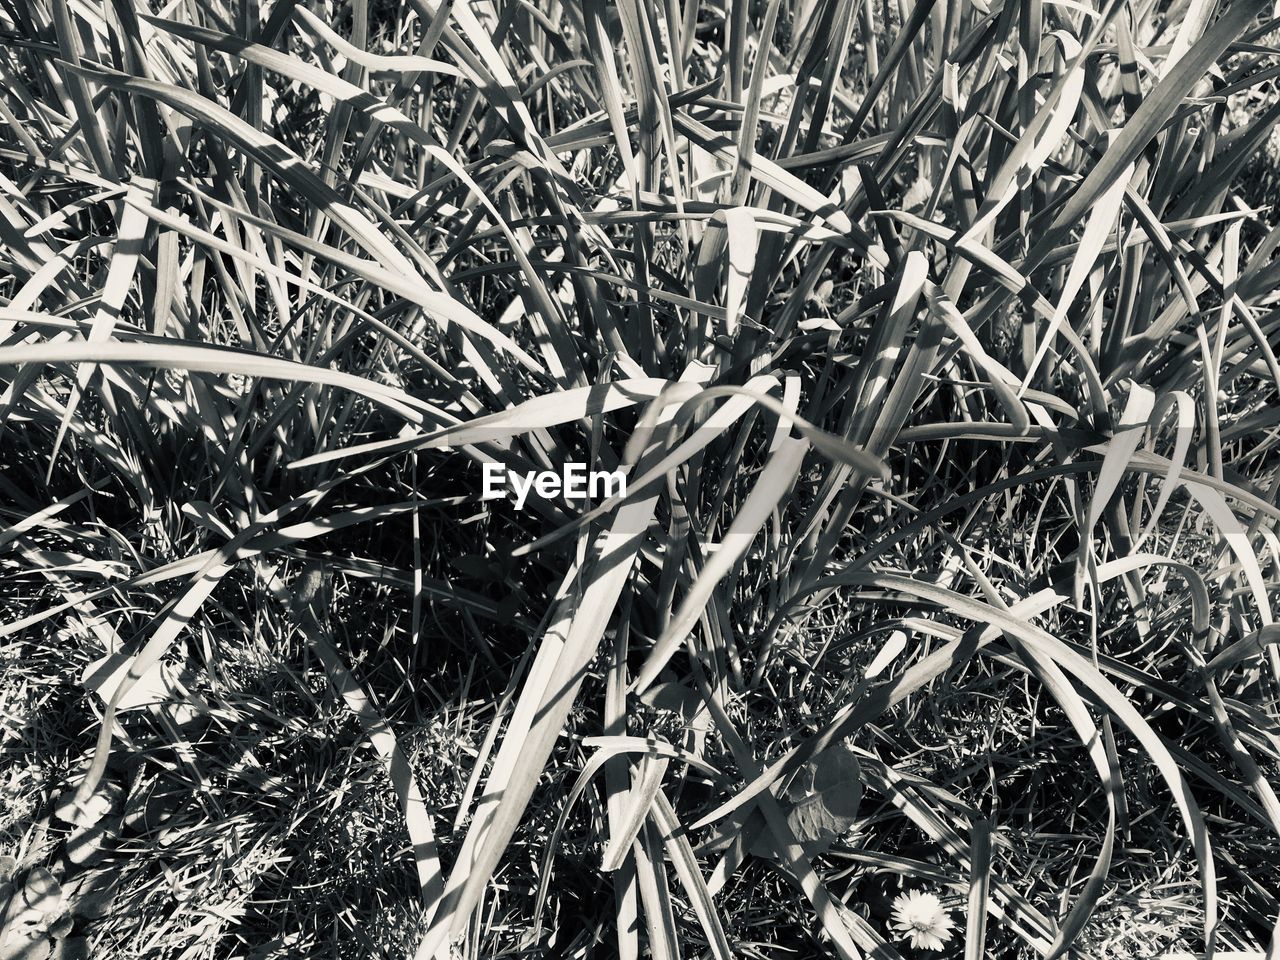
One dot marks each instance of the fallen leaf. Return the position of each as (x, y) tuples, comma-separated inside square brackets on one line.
[(90, 896), (820, 805), (41, 891), (827, 809), (156, 685), (86, 814)]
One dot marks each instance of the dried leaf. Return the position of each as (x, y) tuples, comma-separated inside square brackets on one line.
[(41, 891), (828, 808), (158, 684), (821, 803)]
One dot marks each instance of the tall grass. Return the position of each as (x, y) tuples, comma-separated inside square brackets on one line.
[(938, 342)]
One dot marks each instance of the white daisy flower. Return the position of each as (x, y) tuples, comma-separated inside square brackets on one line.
[(921, 918)]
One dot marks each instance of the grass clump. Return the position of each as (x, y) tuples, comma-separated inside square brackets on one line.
[(937, 343)]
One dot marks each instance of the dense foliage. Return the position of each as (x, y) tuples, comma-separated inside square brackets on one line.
[(937, 340)]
